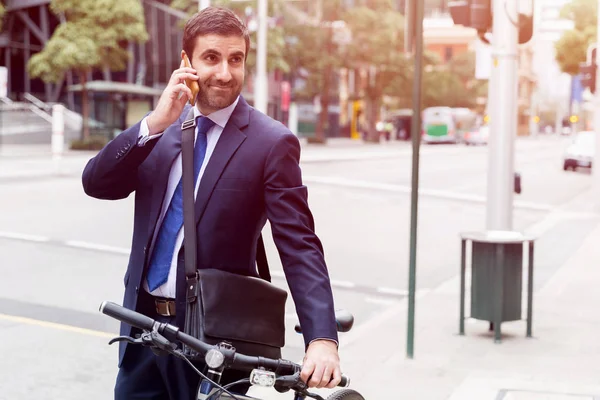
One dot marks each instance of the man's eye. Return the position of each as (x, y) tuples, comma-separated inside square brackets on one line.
[(211, 57), (236, 60)]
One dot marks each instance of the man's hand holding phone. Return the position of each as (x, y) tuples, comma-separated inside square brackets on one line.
[(173, 98)]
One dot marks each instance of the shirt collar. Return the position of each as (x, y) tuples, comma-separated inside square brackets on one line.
[(219, 117)]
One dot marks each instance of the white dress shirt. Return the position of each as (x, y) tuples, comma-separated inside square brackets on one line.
[(220, 118)]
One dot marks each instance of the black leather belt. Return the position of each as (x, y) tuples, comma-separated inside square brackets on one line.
[(165, 307)]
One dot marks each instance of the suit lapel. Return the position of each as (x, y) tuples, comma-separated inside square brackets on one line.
[(231, 138), (169, 147)]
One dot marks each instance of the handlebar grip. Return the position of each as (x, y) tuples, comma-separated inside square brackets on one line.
[(345, 382), (126, 315)]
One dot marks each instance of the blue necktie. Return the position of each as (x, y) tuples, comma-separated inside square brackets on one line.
[(160, 263)]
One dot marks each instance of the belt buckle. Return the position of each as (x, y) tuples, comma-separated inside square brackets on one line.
[(165, 303)]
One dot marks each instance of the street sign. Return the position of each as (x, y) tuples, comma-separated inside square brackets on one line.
[(3, 82), (483, 60)]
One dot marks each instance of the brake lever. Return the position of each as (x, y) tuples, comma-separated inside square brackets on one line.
[(158, 343), (285, 383), (293, 382), (127, 339)]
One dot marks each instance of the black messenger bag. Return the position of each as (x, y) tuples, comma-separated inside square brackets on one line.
[(221, 306)]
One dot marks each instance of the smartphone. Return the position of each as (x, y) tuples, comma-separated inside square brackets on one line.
[(192, 84)]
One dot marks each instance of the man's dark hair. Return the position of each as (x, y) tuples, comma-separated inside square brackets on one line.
[(213, 21)]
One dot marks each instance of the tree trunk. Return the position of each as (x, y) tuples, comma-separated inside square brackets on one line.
[(324, 115), (371, 111), (373, 100), (85, 106)]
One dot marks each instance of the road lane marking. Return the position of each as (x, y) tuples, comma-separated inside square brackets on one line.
[(54, 325), (23, 236), (380, 301), (435, 193), (340, 284), (343, 284), (392, 291), (98, 247)]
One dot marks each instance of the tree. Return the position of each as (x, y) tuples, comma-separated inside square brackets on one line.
[(314, 53), (571, 48), (377, 46), (275, 33), (94, 34)]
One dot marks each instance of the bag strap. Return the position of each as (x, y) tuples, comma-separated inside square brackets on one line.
[(188, 130), (188, 133)]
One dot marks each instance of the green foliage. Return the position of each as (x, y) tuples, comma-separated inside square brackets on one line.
[(275, 34), (582, 12), (313, 52), (381, 48), (571, 48), (94, 35)]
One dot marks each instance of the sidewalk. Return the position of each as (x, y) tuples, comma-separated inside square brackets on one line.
[(560, 362)]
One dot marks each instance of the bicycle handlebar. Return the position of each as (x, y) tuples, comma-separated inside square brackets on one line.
[(128, 316), (171, 332)]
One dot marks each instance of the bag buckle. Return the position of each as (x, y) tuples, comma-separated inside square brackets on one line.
[(192, 288), (190, 123)]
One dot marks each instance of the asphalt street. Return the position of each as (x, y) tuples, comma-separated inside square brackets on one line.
[(63, 253)]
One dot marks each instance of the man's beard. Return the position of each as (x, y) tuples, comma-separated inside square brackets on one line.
[(207, 101)]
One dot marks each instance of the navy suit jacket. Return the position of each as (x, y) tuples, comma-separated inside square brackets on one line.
[(253, 174)]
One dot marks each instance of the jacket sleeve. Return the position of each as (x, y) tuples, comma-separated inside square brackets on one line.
[(112, 173), (300, 249)]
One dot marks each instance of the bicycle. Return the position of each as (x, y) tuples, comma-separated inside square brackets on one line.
[(282, 375)]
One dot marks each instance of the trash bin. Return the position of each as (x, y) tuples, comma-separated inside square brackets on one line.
[(496, 278)]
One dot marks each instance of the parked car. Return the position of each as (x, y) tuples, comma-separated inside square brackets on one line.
[(477, 136), (566, 131), (580, 152)]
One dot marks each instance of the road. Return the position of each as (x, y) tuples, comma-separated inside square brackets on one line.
[(62, 253)]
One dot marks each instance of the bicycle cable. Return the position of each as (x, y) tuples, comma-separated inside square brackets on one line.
[(180, 354), (229, 385)]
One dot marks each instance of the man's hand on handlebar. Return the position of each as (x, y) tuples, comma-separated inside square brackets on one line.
[(321, 366)]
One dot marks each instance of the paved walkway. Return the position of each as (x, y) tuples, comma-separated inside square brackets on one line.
[(559, 363)]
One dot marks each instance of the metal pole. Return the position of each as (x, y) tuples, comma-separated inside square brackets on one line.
[(503, 111), (596, 161), (409, 26), (58, 135), (202, 4), (414, 201), (260, 83)]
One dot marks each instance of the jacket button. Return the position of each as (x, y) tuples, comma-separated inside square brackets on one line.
[(137, 289)]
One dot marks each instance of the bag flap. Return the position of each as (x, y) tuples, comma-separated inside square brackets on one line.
[(242, 308)]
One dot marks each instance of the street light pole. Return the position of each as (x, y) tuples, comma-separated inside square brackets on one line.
[(503, 112), (202, 4), (260, 82), (596, 161)]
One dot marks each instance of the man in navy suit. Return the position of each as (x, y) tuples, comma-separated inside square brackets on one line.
[(248, 172)]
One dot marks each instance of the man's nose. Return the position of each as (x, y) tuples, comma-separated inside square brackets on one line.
[(223, 73)]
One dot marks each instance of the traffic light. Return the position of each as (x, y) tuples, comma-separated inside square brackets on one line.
[(472, 13), (481, 15), (478, 14), (460, 11)]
